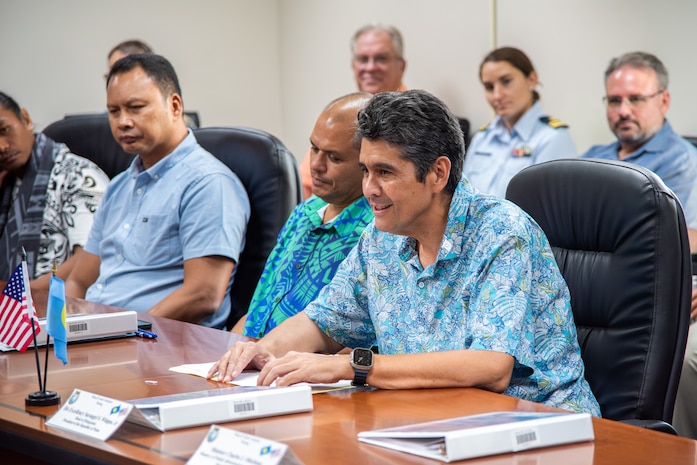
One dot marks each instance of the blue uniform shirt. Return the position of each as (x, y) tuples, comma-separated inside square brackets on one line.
[(495, 285), (188, 205), (671, 157), (496, 155)]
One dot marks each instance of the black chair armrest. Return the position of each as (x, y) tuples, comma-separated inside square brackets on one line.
[(655, 425)]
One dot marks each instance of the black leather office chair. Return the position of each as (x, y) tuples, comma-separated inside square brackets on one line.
[(270, 174), (619, 237), (692, 140), (90, 137)]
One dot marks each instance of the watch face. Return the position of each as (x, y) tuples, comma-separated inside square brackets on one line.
[(363, 357)]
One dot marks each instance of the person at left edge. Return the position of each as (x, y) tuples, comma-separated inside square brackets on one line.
[(521, 134), (48, 197), (171, 226)]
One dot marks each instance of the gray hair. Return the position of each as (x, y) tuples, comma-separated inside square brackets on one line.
[(420, 125), (395, 35), (640, 60)]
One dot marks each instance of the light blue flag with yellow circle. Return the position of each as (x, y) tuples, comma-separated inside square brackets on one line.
[(56, 326)]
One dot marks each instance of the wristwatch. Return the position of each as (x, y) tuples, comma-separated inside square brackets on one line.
[(361, 361)]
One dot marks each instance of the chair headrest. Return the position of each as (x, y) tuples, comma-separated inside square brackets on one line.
[(90, 137), (617, 195)]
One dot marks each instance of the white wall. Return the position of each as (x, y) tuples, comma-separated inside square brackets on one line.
[(53, 56), (441, 47), (572, 43), (273, 64)]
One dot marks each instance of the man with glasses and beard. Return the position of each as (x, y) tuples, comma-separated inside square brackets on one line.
[(637, 100)]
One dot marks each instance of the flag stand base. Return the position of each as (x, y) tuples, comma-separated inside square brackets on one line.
[(42, 399)]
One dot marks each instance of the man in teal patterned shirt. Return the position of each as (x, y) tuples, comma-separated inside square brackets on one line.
[(456, 288), (321, 231)]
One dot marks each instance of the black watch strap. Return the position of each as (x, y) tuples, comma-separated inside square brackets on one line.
[(360, 377)]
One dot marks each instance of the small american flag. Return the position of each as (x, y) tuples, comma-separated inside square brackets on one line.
[(15, 315)]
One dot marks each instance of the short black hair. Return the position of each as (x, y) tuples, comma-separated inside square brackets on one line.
[(10, 104), (420, 125), (156, 66)]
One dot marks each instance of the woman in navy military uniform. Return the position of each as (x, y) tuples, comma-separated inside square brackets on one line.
[(521, 134)]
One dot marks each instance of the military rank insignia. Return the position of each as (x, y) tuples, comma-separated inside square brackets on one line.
[(553, 122)]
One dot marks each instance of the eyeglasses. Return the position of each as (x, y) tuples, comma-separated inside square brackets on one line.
[(634, 101), (380, 60)]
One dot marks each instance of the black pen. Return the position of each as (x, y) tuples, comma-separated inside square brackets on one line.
[(146, 334)]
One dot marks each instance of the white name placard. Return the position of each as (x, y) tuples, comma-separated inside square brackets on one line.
[(90, 414), (224, 446)]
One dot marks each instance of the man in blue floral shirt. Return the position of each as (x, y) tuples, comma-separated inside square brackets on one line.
[(454, 287)]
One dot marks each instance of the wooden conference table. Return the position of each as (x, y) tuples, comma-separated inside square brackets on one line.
[(134, 368)]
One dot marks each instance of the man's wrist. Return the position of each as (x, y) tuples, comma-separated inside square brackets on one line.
[(361, 360), (344, 363)]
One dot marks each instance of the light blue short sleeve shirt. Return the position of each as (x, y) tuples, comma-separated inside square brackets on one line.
[(495, 285), (671, 157), (497, 154), (188, 205)]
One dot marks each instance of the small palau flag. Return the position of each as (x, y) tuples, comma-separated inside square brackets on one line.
[(56, 325)]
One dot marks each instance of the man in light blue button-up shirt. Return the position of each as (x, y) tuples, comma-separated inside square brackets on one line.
[(170, 228), (637, 100)]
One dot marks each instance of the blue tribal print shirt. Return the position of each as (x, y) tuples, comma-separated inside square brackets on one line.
[(304, 260)]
